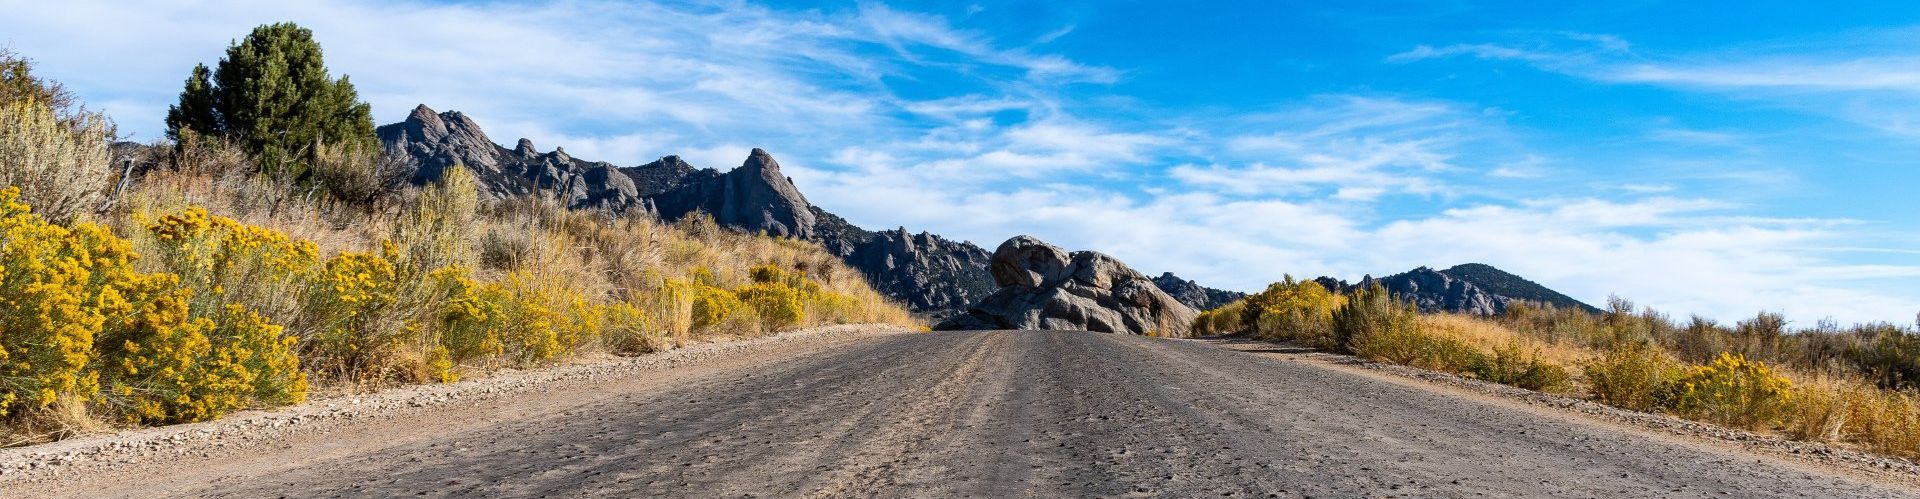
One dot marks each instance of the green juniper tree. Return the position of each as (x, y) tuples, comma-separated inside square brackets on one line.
[(271, 96)]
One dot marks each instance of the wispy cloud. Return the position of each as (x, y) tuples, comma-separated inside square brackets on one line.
[(1358, 148), (1868, 79)]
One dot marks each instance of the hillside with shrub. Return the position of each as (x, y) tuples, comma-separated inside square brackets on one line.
[(264, 254), (1853, 385)]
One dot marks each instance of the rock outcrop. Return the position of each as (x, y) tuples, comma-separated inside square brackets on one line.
[(1193, 294), (754, 197), (1045, 287), (933, 275), (1465, 289), (434, 142)]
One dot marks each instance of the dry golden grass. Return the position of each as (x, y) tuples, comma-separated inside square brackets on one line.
[(1488, 335), (1845, 409)]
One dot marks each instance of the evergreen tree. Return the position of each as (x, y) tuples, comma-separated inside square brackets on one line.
[(271, 96), (195, 113)]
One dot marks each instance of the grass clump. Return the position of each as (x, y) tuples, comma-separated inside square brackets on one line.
[(1632, 375)]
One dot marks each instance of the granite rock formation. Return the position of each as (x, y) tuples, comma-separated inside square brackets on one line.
[(1045, 287)]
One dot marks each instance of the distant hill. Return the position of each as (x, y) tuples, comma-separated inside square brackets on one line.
[(1469, 289), (1194, 295), (1500, 282)]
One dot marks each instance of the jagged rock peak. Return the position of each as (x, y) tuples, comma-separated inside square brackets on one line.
[(760, 159), (422, 113)]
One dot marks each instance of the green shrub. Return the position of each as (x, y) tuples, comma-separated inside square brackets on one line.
[(1223, 320), (1441, 353), (432, 235), (631, 330), (1515, 365), (1892, 360), (1374, 321), (62, 170)]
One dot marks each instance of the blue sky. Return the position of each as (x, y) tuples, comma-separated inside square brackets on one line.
[(1717, 158)]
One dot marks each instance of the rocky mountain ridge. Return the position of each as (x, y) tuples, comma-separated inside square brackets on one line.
[(929, 273), (1472, 288), (1193, 294)]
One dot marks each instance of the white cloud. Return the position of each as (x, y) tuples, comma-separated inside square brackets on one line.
[(1780, 72)]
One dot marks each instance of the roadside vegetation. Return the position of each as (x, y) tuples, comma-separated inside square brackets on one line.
[(1857, 385), (267, 252)]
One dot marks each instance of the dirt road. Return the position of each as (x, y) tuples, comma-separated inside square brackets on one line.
[(988, 414)]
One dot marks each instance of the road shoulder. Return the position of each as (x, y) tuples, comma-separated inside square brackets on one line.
[(394, 416), (1830, 458)]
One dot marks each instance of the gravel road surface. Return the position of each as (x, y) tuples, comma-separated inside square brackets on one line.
[(985, 414)]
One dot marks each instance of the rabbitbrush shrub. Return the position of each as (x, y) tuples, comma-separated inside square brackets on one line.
[(1733, 391), (82, 325)]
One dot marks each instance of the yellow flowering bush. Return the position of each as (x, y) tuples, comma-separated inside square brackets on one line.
[(226, 261), (777, 304), (1734, 391), (81, 324), (520, 317), (53, 302), (713, 306), (831, 306), (466, 318), (540, 320), (345, 310)]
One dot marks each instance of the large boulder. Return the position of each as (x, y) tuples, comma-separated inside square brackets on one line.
[(1045, 287)]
